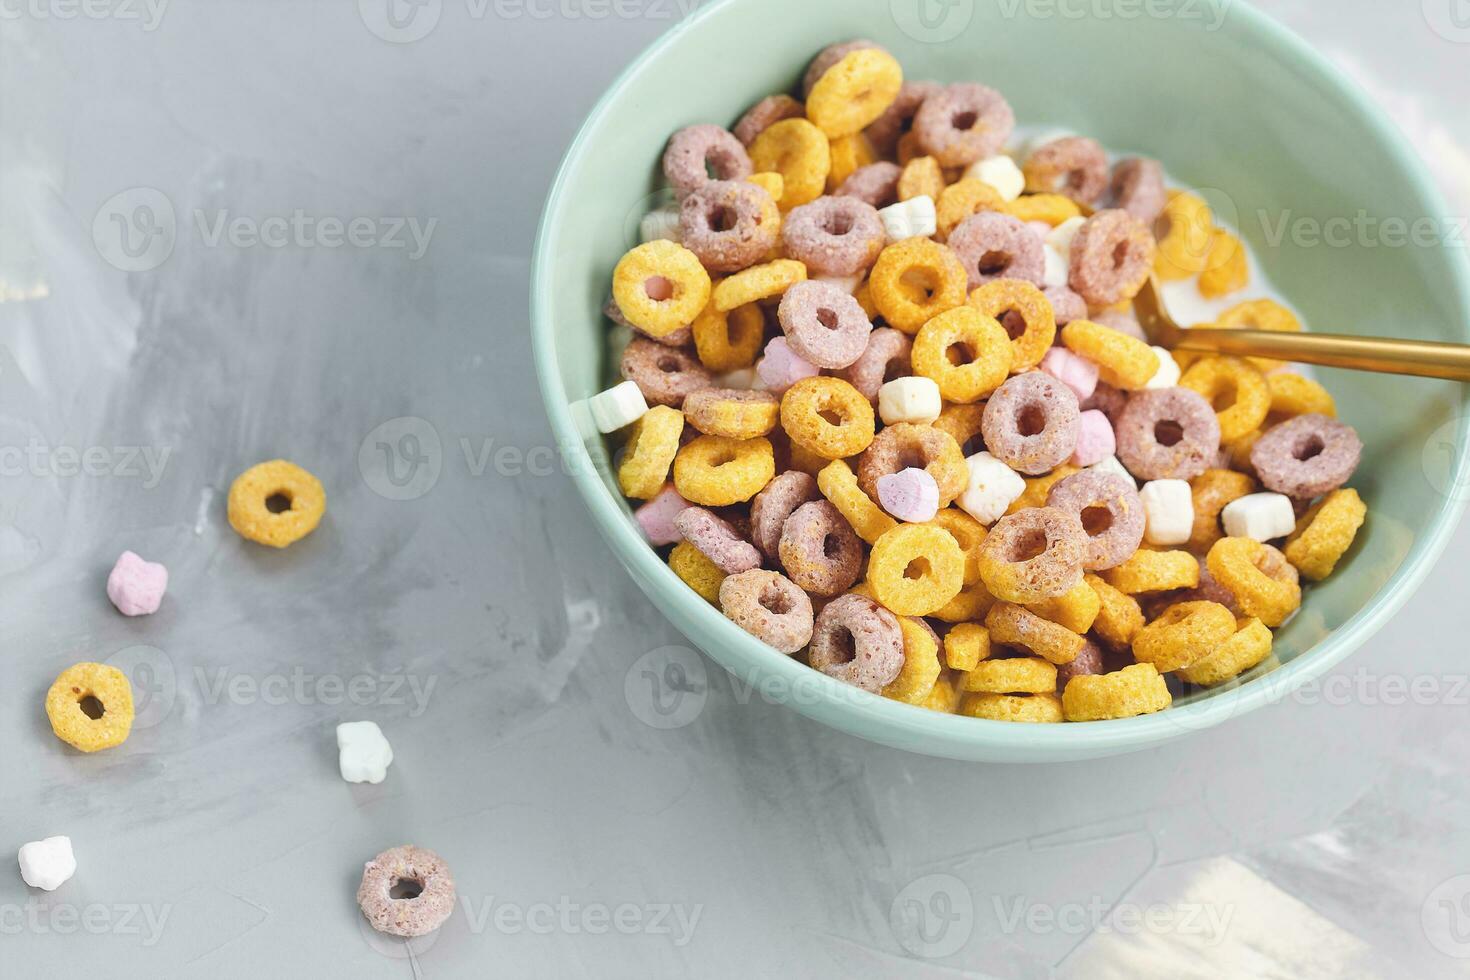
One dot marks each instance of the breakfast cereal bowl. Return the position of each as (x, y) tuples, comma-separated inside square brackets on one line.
[(1229, 101)]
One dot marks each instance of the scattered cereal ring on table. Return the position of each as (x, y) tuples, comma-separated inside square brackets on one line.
[(91, 706), (928, 551), (991, 245), (1002, 298), (1016, 626), (1030, 423), (1167, 433), (771, 109), (650, 452), (834, 236), (1247, 646), (1325, 532), (964, 122), (1307, 456), (1264, 583), (276, 503), (770, 607), (901, 445), (988, 353), (1185, 634), (824, 325), (431, 903), (1137, 689), (819, 549), (1236, 385), (715, 471), (1184, 245), (1073, 165), (1016, 708), (839, 485), (804, 416), (914, 281), (696, 151), (1032, 555), (660, 286), (800, 153), (1111, 258), (696, 571), (1011, 675), (733, 413), (665, 375), (1111, 514), (858, 642), (729, 225), (728, 340), (1123, 361), (1138, 188), (717, 540)]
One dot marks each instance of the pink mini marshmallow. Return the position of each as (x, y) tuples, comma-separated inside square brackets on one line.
[(136, 586), (781, 367), (1072, 370), (909, 495), (1095, 441), (1039, 228), (657, 516)]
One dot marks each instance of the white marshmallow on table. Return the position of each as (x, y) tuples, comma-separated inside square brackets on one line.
[(1167, 376), (1168, 510), (620, 405), (661, 222), (363, 753), (914, 218), (909, 400), (993, 486), (1110, 464), (1001, 173), (1262, 516), (48, 863)]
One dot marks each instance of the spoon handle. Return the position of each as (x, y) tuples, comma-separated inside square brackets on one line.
[(1424, 358)]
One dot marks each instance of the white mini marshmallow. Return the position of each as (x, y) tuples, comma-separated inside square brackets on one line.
[(1058, 267), (620, 405), (1262, 516), (1168, 509), (1110, 464), (1060, 237), (909, 400), (848, 284), (993, 487), (363, 752), (661, 222), (914, 218), (1167, 376), (1001, 173), (47, 863), (743, 379)]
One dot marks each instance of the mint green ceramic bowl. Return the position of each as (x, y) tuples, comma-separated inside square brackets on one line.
[(1239, 104)]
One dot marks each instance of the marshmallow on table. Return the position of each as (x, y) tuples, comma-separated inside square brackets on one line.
[(1110, 464), (1168, 509), (993, 486), (1001, 173), (1262, 516), (1167, 376), (909, 400), (135, 586), (363, 753), (1096, 442), (1072, 370), (782, 367), (914, 218), (910, 495), (656, 517), (620, 405), (661, 222), (48, 863)]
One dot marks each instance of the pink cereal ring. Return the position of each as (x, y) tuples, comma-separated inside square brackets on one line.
[(964, 122), (656, 517), (774, 504), (991, 245), (1074, 166), (717, 540), (135, 586), (858, 642), (728, 224), (696, 151), (910, 495), (1072, 370), (1167, 433), (885, 131), (876, 184), (770, 607), (886, 357), (833, 236), (1307, 456), (1065, 304), (1112, 254), (1111, 513), (824, 325), (781, 367), (827, 57), (665, 375), (1095, 439), (406, 865), (1138, 188), (768, 111), (1030, 423), (820, 550)]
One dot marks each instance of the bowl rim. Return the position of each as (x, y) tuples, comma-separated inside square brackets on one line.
[(952, 735)]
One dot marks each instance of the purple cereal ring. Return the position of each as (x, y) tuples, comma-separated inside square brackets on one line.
[(824, 325), (1210, 590), (1089, 660), (897, 447), (1112, 254), (774, 504), (1122, 321), (820, 550), (768, 111), (827, 57), (885, 131), (1074, 166), (991, 245), (424, 880), (1033, 554), (717, 540), (1111, 513), (770, 607), (833, 236), (1307, 456), (962, 123), (678, 338), (1167, 433), (1065, 304), (1138, 188), (875, 184), (729, 225), (858, 642), (665, 375), (695, 151), (1030, 423), (886, 357), (1106, 399)]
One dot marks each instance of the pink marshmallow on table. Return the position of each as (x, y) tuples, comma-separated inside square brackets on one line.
[(781, 368), (1095, 441), (1072, 370), (136, 586), (656, 517), (909, 495)]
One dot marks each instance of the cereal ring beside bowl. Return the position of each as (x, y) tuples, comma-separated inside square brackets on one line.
[(90, 706), (424, 890), (276, 503)]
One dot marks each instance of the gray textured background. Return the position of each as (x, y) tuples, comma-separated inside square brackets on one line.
[(481, 623)]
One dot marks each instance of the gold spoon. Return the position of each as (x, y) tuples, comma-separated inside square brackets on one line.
[(1425, 358)]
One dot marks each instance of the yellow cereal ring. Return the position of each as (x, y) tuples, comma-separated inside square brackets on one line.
[(650, 452), (771, 182), (1119, 617), (1017, 626), (714, 471), (968, 533), (849, 153), (1211, 491), (962, 199), (962, 422), (839, 484), (985, 343), (1075, 610), (798, 458), (864, 296), (999, 296), (729, 340), (1293, 394), (733, 413), (1183, 634), (800, 153), (1035, 708), (1155, 571), (1236, 388), (1246, 647), (660, 286), (1259, 314), (1013, 675), (914, 281), (945, 697), (1263, 582), (757, 283), (1123, 361), (1239, 452), (1137, 689), (920, 663), (1185, 246), (970, 606), (91, 706), (1037, 488), (1325, 532), (966, 645), (931, 553), (854, 92), (1226, 270), (1054, 209), (697, 571), (275, 503), (805, 406), (921, 177)]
